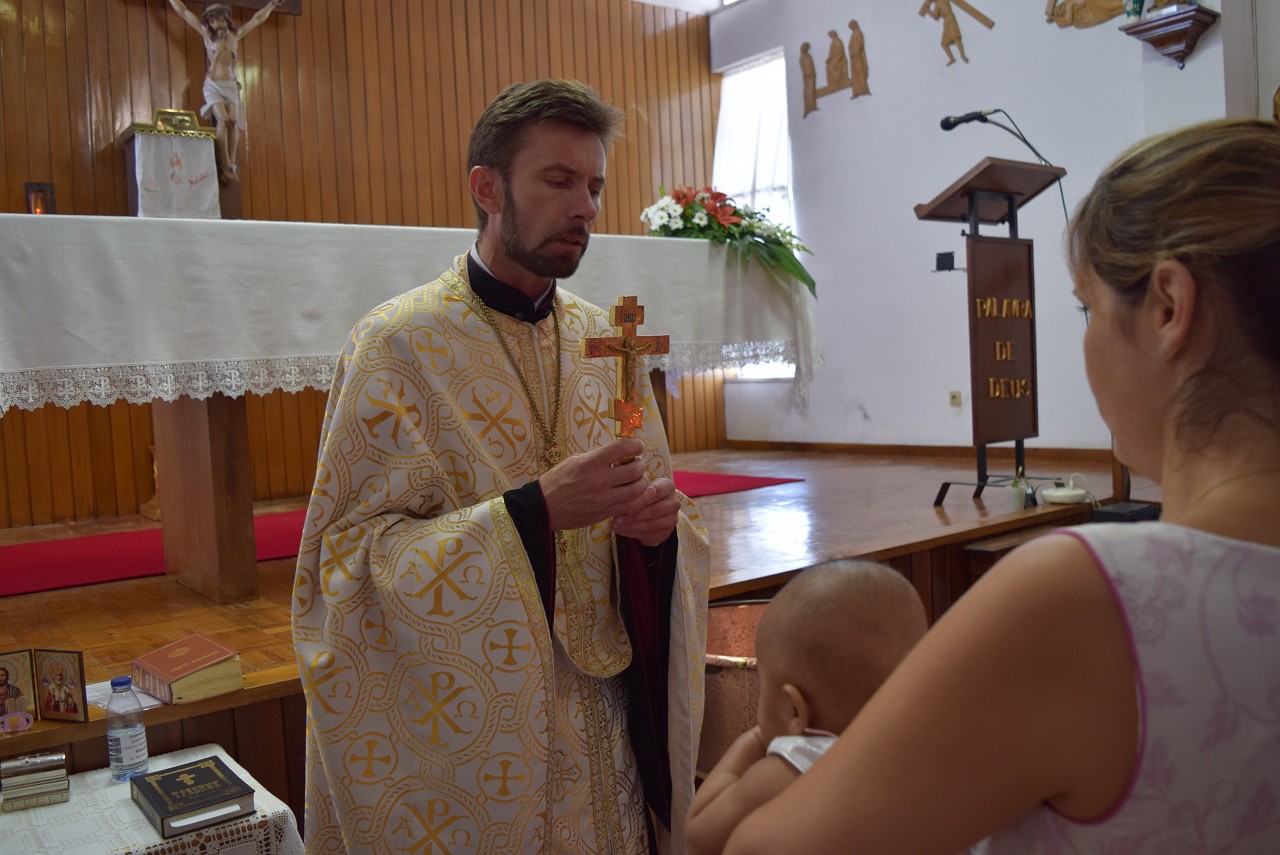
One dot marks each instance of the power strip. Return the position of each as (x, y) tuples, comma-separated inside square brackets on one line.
[(1065, 495)]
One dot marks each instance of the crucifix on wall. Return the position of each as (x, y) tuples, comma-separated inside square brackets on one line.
[(627, 411)]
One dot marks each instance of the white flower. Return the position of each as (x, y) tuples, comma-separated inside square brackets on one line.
[(700, 217)]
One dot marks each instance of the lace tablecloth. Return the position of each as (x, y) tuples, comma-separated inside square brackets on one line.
[(101, 818), (99, 309)]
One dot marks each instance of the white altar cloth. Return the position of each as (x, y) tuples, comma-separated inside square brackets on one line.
[(98, 309)]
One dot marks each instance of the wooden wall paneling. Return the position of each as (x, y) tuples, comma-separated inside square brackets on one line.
[(688, 416), (144, 479), (475, 85), (218, 728), (142, 106), (310, 422), (164, 738), (34, 73), (680, 30), (15, 466), (555, 39), (117, 105), (294, 710), (127, 500), (155, 21), (418, 106), (11, 193), (295, 464), (697, 399), (273, 413), (374, 129), (263, 156), (39, 480), (395, 162), (256, 417), (643, 14), (673, 162), (429, 117), (56, 420), (81, 200), (101, 142), (722, 432), (289, 76), (260, 737), (538, 44), (358, 105), (637, 114), (56, 100), (86, 755), (81, 462), (447, 150), (500, 45), (337, 153), (599, 56), (6, 520), (103, 456), (317, 177)]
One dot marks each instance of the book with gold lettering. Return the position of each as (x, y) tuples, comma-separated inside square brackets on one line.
[(191, 796), (188, 670)]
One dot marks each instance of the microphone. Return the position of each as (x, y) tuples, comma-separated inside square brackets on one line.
[(976, 116)]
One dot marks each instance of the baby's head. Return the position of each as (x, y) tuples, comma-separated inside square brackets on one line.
[(828, 640)]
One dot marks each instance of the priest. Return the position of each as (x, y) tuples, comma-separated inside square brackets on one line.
[(500, 609)]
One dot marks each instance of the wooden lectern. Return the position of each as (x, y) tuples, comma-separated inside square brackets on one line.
[(1002, 329)]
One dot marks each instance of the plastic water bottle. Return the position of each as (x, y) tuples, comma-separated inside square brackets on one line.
[(126, 732)]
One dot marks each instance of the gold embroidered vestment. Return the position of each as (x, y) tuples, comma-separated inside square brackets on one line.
[(442, 709)]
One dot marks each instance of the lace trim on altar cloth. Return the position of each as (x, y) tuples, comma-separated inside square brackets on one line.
[(138, 384), (696, 358)]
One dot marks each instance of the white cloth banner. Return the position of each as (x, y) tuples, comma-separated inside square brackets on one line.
[(177, 176)]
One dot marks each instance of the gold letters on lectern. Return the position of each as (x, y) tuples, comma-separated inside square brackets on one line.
[(995, 307)]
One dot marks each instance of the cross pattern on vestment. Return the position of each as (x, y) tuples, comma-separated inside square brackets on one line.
[(626, 347)]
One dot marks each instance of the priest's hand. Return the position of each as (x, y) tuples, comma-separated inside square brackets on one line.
[(651, 517), (588, 488)]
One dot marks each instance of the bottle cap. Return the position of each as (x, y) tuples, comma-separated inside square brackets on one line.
[(121, 682)]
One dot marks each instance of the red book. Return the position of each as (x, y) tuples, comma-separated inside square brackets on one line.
[(187, 670)]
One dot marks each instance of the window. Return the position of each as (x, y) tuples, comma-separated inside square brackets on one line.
[(753, 157), (753, 152)]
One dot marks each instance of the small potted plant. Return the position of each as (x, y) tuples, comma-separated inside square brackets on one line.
[(1019, 492)]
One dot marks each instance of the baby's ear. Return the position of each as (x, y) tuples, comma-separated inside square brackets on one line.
[(799, 714)]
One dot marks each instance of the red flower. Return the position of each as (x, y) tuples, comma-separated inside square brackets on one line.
[(722, 210), (683, 196)]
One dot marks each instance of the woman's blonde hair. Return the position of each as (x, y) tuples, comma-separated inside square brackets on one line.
[(1207, 196)]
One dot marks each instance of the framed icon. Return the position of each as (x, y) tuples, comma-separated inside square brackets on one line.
[(17, 682), (59, 676)]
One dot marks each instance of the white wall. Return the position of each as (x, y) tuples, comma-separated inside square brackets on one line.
[(894, 334)]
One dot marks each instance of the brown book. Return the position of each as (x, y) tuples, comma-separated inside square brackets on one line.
[(187, 670)]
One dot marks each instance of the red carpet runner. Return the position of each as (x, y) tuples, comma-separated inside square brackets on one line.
[(51, 564)]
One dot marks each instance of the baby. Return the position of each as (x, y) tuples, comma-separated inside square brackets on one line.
[(825, 644)]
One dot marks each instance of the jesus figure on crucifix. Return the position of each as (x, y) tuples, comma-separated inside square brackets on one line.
[(221, 87)]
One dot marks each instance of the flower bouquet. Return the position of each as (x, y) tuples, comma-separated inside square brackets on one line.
[(709, 214)]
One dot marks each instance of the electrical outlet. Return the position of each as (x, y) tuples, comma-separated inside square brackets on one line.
[(954, 399)]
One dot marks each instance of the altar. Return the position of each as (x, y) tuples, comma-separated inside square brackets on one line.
[(192, 314)]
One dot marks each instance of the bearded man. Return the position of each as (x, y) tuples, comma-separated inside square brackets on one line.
[(499, 610)]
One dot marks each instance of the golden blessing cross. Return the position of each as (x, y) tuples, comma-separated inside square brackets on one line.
[(626, 346)]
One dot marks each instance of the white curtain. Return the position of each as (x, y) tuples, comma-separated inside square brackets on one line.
[(753, 152)]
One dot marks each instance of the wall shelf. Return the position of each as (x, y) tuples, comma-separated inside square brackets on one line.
[(1175, 33)]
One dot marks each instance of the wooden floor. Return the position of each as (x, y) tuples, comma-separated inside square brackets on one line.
[(850, 505), (847, 505)]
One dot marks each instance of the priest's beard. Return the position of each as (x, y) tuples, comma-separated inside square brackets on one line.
[(532, 258)]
